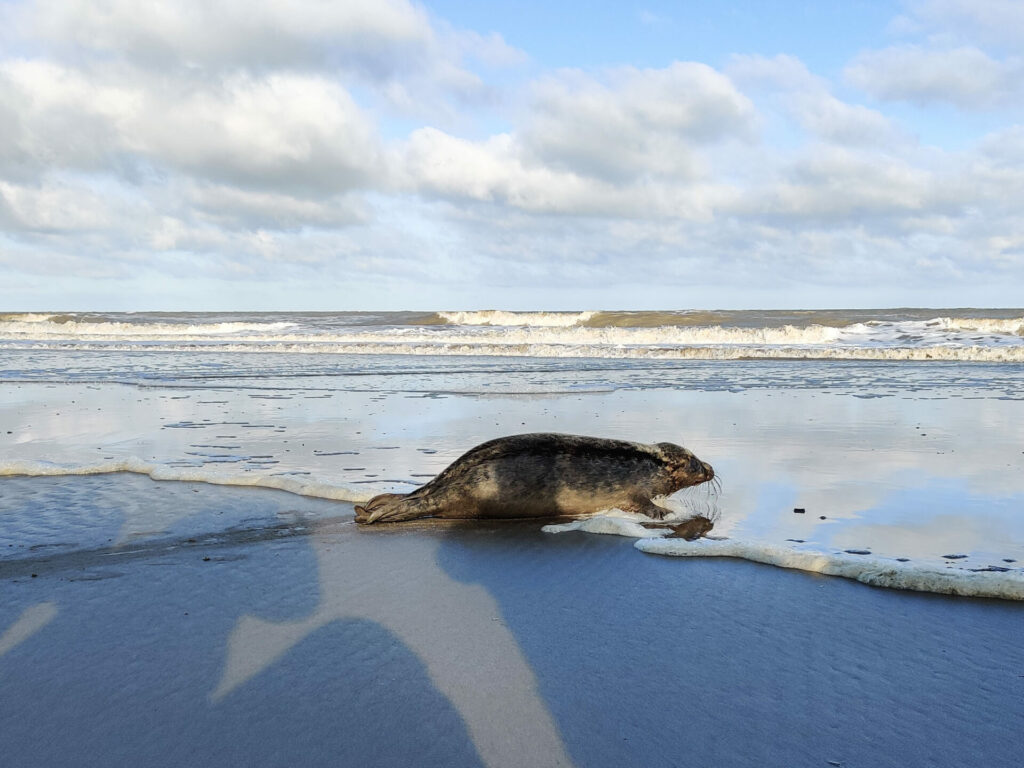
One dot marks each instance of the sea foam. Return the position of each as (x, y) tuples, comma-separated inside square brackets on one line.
[(878, 572), (302, 486), (437, 347), (499, 317), (47, 326), (535, 334)]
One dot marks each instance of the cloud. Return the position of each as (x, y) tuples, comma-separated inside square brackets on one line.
[(835, 184), (256, 34), (808, 100), (56, 207), (392, 43), (986, 22), (635, 122), (234, 208), (628, 143), (965, 77), (298, 132)]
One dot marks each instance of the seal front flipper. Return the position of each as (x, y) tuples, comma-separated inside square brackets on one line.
[(645, 507)]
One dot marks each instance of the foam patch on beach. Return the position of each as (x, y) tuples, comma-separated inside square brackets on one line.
[(302, 486), (878, 572), (994, 581), (614, 523)]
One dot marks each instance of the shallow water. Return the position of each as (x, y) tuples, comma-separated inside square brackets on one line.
[(899, 460)]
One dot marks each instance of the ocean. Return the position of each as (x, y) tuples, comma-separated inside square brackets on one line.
[(897, 334), (881, 445)]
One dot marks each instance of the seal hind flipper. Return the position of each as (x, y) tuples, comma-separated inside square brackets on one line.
[(390, 508)]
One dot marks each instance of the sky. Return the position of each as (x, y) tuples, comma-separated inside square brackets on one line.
[(386, 154)]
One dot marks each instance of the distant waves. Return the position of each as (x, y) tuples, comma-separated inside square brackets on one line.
[(971, 335)]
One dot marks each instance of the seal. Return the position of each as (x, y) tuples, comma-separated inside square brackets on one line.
[(546, 475)]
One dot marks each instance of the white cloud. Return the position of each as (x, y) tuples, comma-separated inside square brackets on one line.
[(232, 33), (393, 45), (836, 184), (284, 131), (808, 100), (281, 131), (635, 122), (992, 22), (234, 208), (59, 207), (630, 143), (966, 77)]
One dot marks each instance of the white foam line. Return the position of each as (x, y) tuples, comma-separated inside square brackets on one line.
[(303, 487), (874, 571), (1004, 354), (615, 526), (500, 317)]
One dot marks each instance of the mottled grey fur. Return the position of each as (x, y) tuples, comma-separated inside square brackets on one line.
[(546, 475)]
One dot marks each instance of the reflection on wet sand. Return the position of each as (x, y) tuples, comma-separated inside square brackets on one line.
[(32, 619), (455, 629), (831, 452)]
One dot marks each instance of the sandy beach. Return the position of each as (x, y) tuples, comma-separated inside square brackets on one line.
[(182, 581), (263, 628)]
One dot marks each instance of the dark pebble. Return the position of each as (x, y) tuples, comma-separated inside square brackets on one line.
[(857, 551), (954, 557), (798, 541), (206, 559), (1009, 560), (822, 517), (798, 510), (903, 559)]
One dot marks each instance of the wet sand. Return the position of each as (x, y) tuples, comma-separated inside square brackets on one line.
[(182, 623), (914, 474)]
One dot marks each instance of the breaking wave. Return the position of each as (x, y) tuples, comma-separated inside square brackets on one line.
[(500, 317), (1013, 326), (710, 335), (50, 326)]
